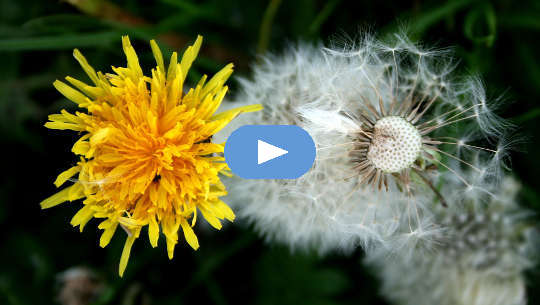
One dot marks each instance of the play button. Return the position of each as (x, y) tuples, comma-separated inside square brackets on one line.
[(269, 152)]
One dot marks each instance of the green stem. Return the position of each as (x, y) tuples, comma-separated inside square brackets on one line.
[(266, 25), (323, 15), (531, 114)]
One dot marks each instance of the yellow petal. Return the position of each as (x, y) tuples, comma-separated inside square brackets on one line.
[(217, 81), (231, 114), (125, 254), (55, 199), (226, 210), (189, 56), (107, 235), (189, 234), (66, 120), (92, 92), (64, 126), (111, 158), (157, 55), (82, 217), (71, 193), (131, 223), (76, 191), (173, 65), (132, 59), (153, 231), (86, 67), (70, 93), (170, 227), (212, 220), (171, 243), (65, 175), (100, 136), (81, 147), (175, 91)]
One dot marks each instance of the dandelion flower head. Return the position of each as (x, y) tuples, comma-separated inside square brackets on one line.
[(146, 152)]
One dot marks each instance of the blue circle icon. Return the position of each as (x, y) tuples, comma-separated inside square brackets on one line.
[(270, 152)]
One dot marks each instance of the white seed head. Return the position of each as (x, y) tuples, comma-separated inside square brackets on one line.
[(478, 260), (321, 210), (395, 145), (329, 92)]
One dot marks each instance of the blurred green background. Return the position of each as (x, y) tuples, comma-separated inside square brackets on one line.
[(497, 39)]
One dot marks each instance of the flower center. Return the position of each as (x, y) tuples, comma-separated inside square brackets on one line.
[(395, 144)]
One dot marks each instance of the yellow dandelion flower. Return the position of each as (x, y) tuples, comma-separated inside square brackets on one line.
[(146, 156)]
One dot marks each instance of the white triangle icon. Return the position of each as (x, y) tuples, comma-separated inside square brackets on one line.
[(267, 152)]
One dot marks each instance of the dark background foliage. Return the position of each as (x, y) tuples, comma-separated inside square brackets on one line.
[(497, 39)]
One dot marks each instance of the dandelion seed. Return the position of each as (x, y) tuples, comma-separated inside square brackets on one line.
[(146, 158), (487, 244)]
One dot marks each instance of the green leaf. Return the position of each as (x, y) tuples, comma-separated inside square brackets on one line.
[(174, 22), (59, 42), (421, 22), (529, 115), (195, 10), (323, 15), (62, 23), (265, 29), (481, 25), (521, 20)]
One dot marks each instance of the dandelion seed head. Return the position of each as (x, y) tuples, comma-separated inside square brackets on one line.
[(342, 96), (485, 245), (399, 79), (324, 210), (395, 144)]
